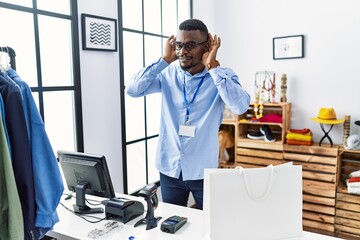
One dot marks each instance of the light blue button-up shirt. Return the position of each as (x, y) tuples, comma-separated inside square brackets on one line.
[(220, 87)]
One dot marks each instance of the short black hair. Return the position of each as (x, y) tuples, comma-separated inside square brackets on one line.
[(194, 24)]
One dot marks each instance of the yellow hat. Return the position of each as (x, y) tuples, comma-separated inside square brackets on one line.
[(327, 116)]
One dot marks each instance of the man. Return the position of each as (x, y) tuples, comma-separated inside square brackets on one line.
[(194, 91)]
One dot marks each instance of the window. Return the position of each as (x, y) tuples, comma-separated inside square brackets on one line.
[(142, 39), (48, 61)]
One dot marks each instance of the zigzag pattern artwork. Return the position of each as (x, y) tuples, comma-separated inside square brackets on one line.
[(100, 34)]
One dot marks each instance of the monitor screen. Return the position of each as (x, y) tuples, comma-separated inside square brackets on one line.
[(86, 174)]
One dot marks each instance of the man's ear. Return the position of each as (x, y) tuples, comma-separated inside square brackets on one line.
[(207, 45)]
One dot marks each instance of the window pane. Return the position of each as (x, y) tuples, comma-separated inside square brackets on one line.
[(152, 16), (183, 10), (136, 168), (133, 54), (58, 6), (25, 3), (169, 14), (60, 119), (56, 51), (134, 118), (36, 98), (153, 106), (133, 62), (131, 13), (152, 171), (153, 49), (25, 51)]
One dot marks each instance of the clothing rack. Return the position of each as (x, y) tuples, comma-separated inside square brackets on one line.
[(11, 54)]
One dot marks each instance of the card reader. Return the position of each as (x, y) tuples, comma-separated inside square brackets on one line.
[(173, 223)]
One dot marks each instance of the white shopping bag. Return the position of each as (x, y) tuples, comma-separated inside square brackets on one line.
[(253, 203)]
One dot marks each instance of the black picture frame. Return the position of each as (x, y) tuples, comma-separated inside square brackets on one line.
[(98, 33), (288, 47)]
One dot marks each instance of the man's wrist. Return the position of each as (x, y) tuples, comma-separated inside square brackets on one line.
[(212, 64), (167, 59)]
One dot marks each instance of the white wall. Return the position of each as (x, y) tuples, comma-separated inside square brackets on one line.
[(326, 77), (100, 84)]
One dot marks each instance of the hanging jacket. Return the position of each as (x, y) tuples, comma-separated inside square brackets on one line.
[(11, 219), (47, 177), (20, 154)]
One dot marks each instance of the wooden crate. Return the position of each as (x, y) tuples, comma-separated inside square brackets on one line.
[(247, 125), (241, 125), (319, 183), (347, 214), (256, 157)]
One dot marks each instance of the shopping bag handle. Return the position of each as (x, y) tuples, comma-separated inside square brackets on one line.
[(248, 190)]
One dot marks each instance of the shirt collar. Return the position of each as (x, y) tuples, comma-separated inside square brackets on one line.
[(188, 75)]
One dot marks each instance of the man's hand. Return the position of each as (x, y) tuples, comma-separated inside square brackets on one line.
[(169, 51), (209, 58)]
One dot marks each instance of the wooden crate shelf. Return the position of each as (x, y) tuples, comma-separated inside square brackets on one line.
[(319, 183), (256, 157), (347, 215), (244, 142), (240, 125), (247, 125)]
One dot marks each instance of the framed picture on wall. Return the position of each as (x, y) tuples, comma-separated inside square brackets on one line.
[(98, 33), (288, 47)]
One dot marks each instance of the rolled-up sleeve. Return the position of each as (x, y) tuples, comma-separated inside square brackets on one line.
[(147, 80), (230, 90)]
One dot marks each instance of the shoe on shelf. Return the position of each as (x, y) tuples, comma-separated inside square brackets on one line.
[(268, 135), (256, 135)]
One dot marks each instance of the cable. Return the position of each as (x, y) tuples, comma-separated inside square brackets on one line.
[(70, 195), (93, 204), (81, 216)]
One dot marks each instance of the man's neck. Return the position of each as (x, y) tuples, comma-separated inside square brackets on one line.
[(196, 69)]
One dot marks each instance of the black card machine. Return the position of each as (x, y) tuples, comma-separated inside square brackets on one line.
[(172, 224), (123, 209)]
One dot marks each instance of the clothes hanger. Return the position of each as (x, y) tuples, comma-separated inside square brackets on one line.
[(2, 69), (8, 66)]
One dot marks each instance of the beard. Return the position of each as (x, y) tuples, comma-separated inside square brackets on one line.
[(188, 62), (185, 68)]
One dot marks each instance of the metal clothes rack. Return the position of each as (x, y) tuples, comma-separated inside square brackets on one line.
[(11, 54)]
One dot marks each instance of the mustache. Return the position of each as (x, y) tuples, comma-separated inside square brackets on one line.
[(186, 57)]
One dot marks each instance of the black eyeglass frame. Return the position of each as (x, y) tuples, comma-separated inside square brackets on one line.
[(188, 45)]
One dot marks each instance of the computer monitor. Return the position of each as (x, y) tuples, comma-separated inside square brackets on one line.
[(86, 174)]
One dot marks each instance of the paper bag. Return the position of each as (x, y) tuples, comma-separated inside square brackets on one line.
[(253, 203)]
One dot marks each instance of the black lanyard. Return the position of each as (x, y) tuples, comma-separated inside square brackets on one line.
[(187, 104)]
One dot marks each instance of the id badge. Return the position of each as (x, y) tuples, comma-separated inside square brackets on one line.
[(187, 131)]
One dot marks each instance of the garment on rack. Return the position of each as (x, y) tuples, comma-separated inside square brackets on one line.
[(11, 219), (20, 154), (47, 177)]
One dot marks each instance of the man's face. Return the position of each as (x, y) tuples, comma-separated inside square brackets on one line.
[(190, 46)]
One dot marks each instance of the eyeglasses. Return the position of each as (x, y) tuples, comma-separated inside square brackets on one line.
[(188, 45)]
